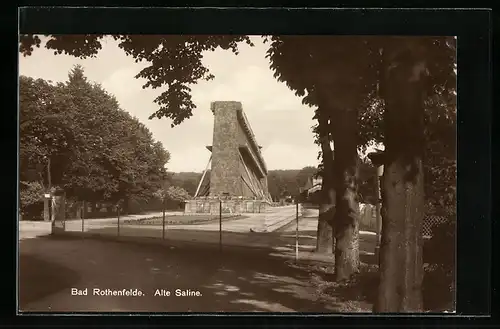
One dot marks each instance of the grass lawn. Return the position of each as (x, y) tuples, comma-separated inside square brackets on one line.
[(359, 293), (181, 219)]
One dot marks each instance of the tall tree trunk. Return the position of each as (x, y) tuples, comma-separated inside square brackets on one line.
[(325, 236), (346, 221), (401, 268)]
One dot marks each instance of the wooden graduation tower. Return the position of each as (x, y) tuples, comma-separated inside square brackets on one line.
[(238, 173)]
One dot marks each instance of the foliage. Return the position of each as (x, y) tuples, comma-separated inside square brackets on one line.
[(440, 150), (31, 199), (370, 123), (439, 278), (172, 193), (187, 180), (440, 157), (45, 129), (335, 71), (443, 239), (310, 65), (282, 183), (332, 73), (97, 151), (120, 157), (305, 174), (367, 180), (174, 62), (279, 182)]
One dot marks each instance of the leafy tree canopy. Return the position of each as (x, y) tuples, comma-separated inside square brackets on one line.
[(174, 62), (339, 72), (172, 193), (97, 151)]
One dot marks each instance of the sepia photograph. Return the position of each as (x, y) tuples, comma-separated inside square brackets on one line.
[(237, 173)]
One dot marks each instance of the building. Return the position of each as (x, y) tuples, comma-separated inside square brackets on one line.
[(238, 172)]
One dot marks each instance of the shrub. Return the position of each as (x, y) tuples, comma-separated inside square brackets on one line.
[(440, 249), (31, 200), (439, 278)]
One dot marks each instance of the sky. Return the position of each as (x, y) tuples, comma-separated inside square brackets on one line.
[(281, 124)]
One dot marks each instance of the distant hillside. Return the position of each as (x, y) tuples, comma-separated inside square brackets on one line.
[(280, 182), (285, 182), (187, 180)]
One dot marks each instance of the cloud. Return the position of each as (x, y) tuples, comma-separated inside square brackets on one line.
[(288, 156), (281, 123), (198, 158), (123, 84)]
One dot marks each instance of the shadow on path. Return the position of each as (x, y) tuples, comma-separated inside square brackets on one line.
[(40, 278), (236, 280)]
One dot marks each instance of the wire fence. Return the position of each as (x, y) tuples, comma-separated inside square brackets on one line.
[(290, 229), (431, 219), (283, 228)]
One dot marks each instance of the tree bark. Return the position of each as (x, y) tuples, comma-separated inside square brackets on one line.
[(401, 268), (325, 241), (346, 220), (325, 237)]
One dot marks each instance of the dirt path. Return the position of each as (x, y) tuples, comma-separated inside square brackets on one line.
[(234, 281)]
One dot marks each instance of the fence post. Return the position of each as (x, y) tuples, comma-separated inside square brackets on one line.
[(46, 207), (296, 231), (83, 217), (51, 208), (220, 225), (163, 222), (64, 209), (118, 212), (380, 171)]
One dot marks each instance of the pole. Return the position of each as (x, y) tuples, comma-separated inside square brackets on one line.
[(220, 225), (63, 209), (83, 217), (46, 207), (49, 177), (378, 229), (51, 208), (163, 222), (297, 231), (118, 211), (202, 177), (47, 204)]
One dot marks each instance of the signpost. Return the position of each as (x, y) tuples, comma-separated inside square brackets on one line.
[(163, 221), (220, 225), (118, 212), (48, 197), (296, 231), (83, 217), (378, 160), (380, 171), (46, 207), (58, 212)]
